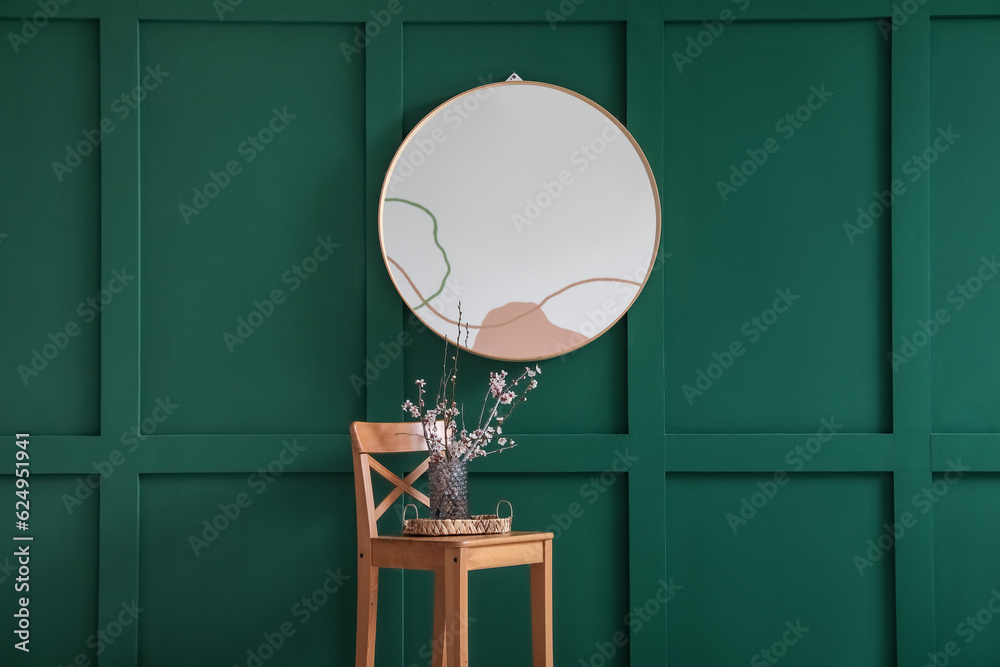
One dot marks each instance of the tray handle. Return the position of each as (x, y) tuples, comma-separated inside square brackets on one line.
[(415, 511)]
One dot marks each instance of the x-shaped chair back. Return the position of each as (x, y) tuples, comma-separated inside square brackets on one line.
[(370, 438)]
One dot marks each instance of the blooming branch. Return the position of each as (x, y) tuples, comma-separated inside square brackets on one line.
[(502, 398)]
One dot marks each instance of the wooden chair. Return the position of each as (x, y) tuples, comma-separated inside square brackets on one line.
[(450, 558)]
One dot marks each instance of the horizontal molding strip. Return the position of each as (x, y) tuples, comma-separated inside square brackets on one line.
[(55, 454), (72, 9), (555, 13), (845, 452), (831, 12), (534, 453), (979, 451), (246, 13), (674, 11), (332, 453), (969, 8), (51, 454), (558, 453), (243, 453), (235, 11), (382, 13)]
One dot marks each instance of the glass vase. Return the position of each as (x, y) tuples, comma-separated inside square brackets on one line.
[(449, 481)]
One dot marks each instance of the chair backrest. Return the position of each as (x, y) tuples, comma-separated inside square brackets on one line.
[(369, 438)]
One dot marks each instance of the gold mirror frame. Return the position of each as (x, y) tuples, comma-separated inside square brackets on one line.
[(552, 223)]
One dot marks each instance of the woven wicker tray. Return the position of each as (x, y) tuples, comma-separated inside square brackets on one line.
[(478, 524)]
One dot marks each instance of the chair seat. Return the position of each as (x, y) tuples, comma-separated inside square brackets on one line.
[(457, 541), (410, 552)]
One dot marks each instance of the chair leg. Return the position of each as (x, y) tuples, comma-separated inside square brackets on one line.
[(367, 612), (541, 609), (456, 604), (440, 637)]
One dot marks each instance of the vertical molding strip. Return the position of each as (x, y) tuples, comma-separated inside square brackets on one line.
[(383, 63), (914, 553), (118, 568), (647, 514)]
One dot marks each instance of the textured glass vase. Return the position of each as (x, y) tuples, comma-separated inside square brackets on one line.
[(449, 482)]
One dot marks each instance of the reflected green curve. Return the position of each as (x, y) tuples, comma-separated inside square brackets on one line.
[(436, 242)]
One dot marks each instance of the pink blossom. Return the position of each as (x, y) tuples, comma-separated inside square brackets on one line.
[(498, 382), (457, 443)]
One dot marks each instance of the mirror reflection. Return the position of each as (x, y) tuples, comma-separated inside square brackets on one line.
[(531, 205)]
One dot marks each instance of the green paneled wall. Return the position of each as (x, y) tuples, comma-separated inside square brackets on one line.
[(804, 393), (775, 266), (198, 531), (246, 300), (63, 579), (750, 574), (966, 583), (964, 235), (50, 206)]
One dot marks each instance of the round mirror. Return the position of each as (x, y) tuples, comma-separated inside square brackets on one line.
[(529, 204)]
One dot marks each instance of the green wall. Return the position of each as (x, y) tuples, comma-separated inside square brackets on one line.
[(805, 393)]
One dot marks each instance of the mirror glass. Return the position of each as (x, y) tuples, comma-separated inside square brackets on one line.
[(531, 205)]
